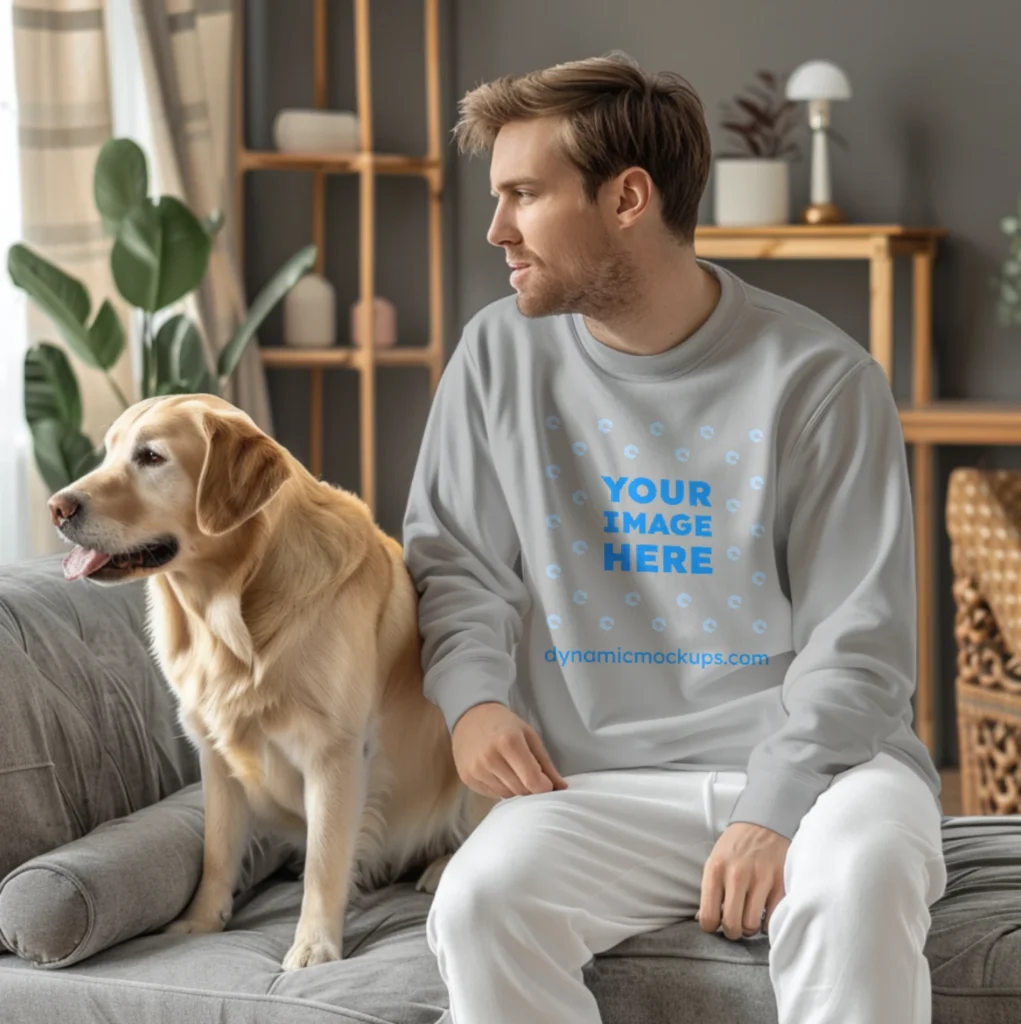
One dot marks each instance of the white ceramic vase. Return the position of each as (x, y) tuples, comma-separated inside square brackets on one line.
[(750, 191), (310, 313)]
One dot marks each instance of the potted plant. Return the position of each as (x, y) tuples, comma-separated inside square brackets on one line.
[(752, 183), (160, 254)]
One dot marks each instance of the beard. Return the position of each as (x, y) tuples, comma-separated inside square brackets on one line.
[(602, 286)]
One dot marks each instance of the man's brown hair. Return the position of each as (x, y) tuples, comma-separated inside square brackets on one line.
[(615, 116)]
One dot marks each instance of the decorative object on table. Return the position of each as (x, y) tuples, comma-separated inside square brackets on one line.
[(752, 184), (384, 327), (310, 313), (316, 131), (820, 82), (1009, 279), (160, 253)]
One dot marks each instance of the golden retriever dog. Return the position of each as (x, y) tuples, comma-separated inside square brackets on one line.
[(286, 622)]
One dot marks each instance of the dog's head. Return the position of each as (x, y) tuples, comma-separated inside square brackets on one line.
[(179, 473)]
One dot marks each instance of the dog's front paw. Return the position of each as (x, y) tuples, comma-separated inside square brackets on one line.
[(309, 952), (429, 880), (186, 925)]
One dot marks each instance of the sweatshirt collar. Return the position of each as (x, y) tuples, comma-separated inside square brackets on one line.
[(681, 358)]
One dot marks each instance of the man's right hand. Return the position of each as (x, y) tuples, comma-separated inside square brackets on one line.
[(498, 754)]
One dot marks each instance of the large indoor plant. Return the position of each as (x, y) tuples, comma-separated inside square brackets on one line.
[(752, 180), (160, 253)]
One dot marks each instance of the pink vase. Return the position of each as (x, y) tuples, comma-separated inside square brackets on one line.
[(384, 327)]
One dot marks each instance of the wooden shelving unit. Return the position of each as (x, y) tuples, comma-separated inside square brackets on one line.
[(367, 164), (925, 422)]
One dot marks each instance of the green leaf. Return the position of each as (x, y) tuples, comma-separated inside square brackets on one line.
[(213, 223), (59, 452), (106, 336), (275, 290), (173, 387), (1009, 225), (60, 296), (51, 389), (120, 181), (90, 460), (147, 373), (180, 358), (160, 255)]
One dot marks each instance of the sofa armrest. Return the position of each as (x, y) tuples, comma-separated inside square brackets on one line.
[(126, 878), (88, 725)]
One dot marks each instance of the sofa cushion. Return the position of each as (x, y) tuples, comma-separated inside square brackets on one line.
[(88, 726), (127, 877), (677, 975)]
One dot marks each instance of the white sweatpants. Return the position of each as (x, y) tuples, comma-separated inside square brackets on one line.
[(550, 879)]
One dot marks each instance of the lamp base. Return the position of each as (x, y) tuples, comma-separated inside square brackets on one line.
[(822, 213)]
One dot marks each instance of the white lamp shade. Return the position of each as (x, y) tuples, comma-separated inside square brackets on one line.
[(818, 80)]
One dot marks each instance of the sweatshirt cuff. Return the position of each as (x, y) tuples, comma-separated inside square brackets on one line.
[(456, 689), (778, 800)]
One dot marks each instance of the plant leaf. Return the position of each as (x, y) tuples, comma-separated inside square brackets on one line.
[(59, 452), (90, 460), (51, 388), (106, 336), (61, 297), (757, 112), (147, 358), (120, 181), (277, 287), (161, 253), (180, 359)]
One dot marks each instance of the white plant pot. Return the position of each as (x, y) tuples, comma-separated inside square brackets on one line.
[(750, 191)]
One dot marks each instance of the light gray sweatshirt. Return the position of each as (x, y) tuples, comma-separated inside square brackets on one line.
[(701, 559)]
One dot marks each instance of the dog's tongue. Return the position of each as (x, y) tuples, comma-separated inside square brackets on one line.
[(83, 562)]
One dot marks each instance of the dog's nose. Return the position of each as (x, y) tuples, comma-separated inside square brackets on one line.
[(63, 506)]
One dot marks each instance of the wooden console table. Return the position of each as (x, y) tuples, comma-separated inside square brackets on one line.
[(880, 244)]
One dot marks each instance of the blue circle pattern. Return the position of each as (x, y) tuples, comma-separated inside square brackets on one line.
[(684, 600)]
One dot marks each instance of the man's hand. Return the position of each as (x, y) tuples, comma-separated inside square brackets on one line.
[(498, 754), (742, 878)]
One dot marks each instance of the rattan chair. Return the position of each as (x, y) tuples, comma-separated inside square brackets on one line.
[(983, 519)]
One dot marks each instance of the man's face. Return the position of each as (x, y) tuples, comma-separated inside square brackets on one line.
[(563, 249)]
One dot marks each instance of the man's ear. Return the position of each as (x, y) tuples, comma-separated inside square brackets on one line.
[(242, 470)]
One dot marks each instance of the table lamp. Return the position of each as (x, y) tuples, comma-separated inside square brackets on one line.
[(819, 82)]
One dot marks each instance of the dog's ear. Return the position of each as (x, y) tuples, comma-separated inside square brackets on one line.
[(243, 469)]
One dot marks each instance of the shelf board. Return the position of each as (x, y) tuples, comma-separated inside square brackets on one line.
[(336, 163), (339, 356), (820, 230), (807, 241), (962, 422)]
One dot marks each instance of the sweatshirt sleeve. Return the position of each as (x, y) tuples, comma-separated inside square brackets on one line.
[(850, 564), (461, 547)]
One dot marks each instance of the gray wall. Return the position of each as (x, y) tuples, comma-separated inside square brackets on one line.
[(931, 136)]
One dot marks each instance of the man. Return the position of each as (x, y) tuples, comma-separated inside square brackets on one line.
[(660, 527)]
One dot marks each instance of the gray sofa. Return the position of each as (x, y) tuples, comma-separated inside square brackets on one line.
[(100, 844)]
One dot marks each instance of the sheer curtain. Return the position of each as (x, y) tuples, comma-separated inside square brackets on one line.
[(15, 444)]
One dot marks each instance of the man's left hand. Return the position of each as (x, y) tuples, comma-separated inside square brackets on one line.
[(742, 881)]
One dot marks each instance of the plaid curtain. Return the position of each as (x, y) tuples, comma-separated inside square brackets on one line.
[(64, 117)]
